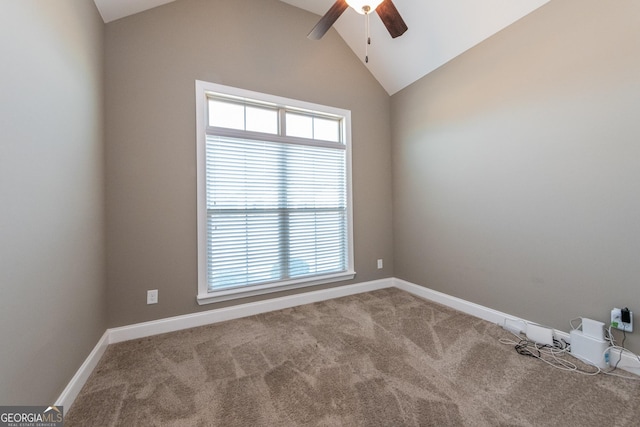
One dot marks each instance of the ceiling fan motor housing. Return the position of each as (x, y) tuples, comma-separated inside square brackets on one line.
[(364, 6), (385, 9)]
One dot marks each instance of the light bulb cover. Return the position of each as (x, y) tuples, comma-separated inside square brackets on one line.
[(359, 5)]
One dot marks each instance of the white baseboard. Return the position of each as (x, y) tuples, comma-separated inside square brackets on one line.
[(172, 324), (459, 304), (72, 389), (628, 363), (473, 309)]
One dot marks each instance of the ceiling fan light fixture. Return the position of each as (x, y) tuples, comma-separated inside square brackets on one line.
[(385, 9), (364, 7)]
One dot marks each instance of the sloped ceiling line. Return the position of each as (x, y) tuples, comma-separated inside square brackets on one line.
[(439, 30)]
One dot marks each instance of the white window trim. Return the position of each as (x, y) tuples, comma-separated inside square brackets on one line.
[(204, 296)]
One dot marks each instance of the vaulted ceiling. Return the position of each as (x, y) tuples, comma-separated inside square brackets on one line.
[(439, 30)]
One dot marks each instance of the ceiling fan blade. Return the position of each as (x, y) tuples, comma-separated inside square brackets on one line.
[(391, 18), (328, 20)]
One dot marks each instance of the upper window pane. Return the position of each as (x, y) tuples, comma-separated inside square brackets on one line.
[(299, 125), (326, 129), (262, 119), (226, 114), (240, 116), (308, 126)]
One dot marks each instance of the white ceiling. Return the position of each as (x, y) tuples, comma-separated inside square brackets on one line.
[(439, 30), (110, 10)]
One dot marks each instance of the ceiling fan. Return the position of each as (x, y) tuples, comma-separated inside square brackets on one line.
[(385, 9)]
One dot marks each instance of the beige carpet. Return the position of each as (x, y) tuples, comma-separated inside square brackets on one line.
[(384, 358)]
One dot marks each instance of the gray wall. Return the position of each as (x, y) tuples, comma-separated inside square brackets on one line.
[(52, 287), (152, 60), (516, 168)]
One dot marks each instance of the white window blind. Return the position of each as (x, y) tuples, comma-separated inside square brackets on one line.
[(276, 212)]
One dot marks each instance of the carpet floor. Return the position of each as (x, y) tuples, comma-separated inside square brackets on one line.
[(383, 358)]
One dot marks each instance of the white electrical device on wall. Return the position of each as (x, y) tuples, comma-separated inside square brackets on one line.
[(588, 344)]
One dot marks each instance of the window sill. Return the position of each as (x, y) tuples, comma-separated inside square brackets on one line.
[(237, 293)]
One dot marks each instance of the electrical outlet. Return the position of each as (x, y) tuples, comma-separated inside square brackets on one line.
[(379, 264), (616, 320), (152, 296)]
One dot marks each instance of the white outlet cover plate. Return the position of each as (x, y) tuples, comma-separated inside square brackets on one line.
[(618, 324), (152, 296)]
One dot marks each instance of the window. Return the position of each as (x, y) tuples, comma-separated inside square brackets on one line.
[(274, 193)]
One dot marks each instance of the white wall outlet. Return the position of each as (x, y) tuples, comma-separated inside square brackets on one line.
[(616, 320), (379, 264), (152, 296)]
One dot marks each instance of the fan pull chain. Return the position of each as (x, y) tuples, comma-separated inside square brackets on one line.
[(367, 9)]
